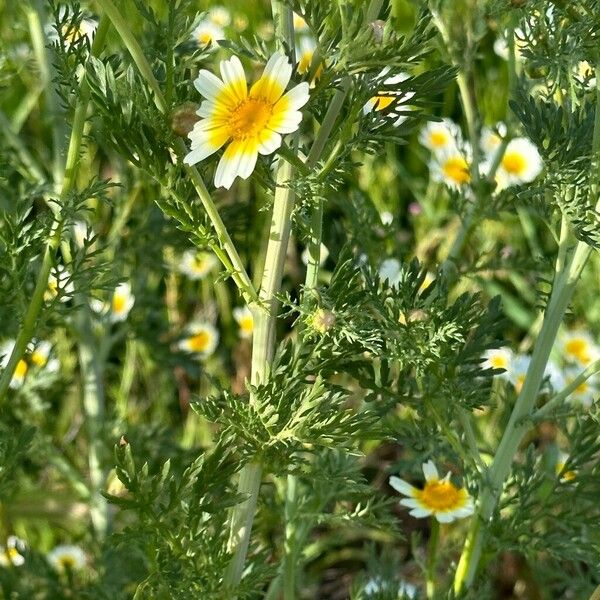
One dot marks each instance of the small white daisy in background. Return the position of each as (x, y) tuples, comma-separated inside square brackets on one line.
[(517, 370), (451, 166), (219, 15), (197, 265), (561, 462), (390, 270), (387, 218), (245, 321), (498, 358), (389, 98), (555, 376), (71, 33), (585, 74), (21, 369), (251, 121), (323, 254), (66, 558), (207, 34), (121, 303), (520, 164), (12, 554), (201, 339), (377, 584), (300, 25), (59, 284), (439, 136), (579, 347), (501, 44), (80, 233), (304, 55), (491, 139), (585, 393), (440, 498), (40, 357)]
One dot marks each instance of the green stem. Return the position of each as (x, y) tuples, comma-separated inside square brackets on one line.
[(241, 276), (432, 552), (37, 299)]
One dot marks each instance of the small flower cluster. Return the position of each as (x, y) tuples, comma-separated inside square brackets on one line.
[(38, 357), (451, 156)]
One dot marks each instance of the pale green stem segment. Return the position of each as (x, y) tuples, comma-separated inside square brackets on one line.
[(240, 276), (37, 299), (569, 265), (432, 553)]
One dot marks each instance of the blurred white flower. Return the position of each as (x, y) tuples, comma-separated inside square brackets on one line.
[(196, 265), (207, 34), (12, 554), (67, 558), (440, 136), (323, 254), (586, 392), (245, 321), (70, 32), (385, 99), (451, 166), (219, 15), (59, 285), (201, 339), (498, 358), (40, 357), (520, 164), (21, 369), (579, 347), (386, 217)]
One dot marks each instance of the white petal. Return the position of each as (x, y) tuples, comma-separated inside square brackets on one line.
[(445, 517), (402, 486), (288, 123), (269, 142), (298, 96), (209, 85), (419, 513), (411, 503), (234, 77), (430, 471), (279, 69)]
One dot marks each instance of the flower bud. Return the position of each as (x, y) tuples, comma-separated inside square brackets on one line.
[(322, 320), (184, 118)]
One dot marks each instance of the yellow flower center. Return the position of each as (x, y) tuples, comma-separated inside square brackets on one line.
[(71, 33), (247, 324), (582, 388), (199, 265), (438, 139), (498, 361), (21, 369), (118, 303), (38, 359), (578, 348), (249, 118), (205, 38), (514, 163), (67, 562), (12, 553), (519, 383), (457, 169), (382, 102), (199, 342), (441, 495)]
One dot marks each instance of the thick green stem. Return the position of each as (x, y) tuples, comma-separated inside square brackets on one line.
[(37, 299), (569, 265)]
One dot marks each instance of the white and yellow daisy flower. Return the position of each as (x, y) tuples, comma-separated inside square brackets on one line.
[(304, 52), (498, 358), (70, 32), (219, 15), (300, 25), (65, 558), (389, 100), (40, 357), (59, 285), (12, 554), (201, 339), (207, 34), (440, 498), (491, 139), (249, 121), (440, 136), (245, 320), (21, 369), (565, 475), (323, 254), (579, 347), (517, 370), (451, 166), (585, 74), (586, 392), (121, 303), (520, 164), (197, 265)]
